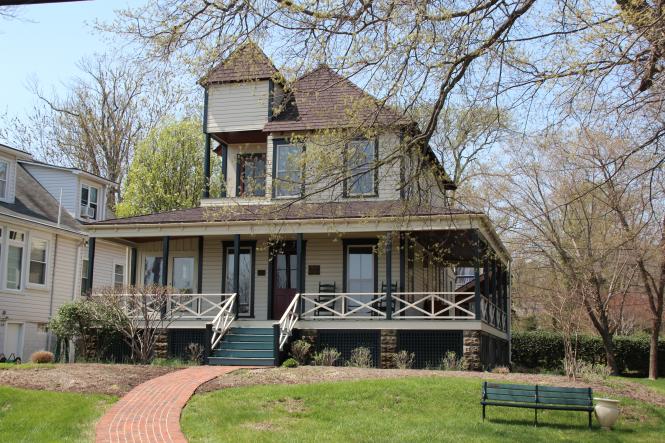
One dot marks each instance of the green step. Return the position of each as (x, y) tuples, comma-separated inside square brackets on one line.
[(232, 337), (226, 361), (246, 344), (244, 353), (251, 331)]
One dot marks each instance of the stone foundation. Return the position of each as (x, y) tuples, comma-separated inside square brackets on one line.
[(471, 350), (161, 344), (388, 348)]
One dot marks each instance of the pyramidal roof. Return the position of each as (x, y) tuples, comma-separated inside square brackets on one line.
[(323, 99), (246, 63)]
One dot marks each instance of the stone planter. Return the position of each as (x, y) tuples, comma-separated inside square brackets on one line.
[(607, 412)]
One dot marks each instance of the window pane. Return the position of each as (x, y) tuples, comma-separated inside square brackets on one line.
[(4, 166), (84, 195), (245, 289), (183, 274), (289, 179), (361, 158), (118, 276), (152, 271), (93, 195), (14, 265), (38, 262)]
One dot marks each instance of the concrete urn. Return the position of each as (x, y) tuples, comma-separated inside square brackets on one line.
[(607, 412)]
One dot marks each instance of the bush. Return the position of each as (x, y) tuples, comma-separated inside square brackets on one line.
[(593, 373), (300, 351), (360, 358), (543, 351), (451, 362), (327, 357), (42, 357), (404, 360), (290, 363), (194, 353)]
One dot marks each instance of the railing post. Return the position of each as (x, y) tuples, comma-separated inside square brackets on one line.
[(207, 346), (275, 343), (389, 276), (132, 267), (300, 270)]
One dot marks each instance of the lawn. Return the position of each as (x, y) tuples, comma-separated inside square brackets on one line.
[(413, 409), (6, 366), (658, 385), (42, 416)]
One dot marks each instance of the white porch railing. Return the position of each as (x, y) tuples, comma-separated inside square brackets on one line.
[(327, 305), (198, 306), (222, 321), (288, 321), (443, 305)]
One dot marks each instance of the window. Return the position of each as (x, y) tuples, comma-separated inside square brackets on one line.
[(118, 275), (89, 200), (288, 170), (38, 254), (245, 288), (361, 156), (251, 175), (152, 271), (183, 274), (84, 276), (4, 172), (15, 260)]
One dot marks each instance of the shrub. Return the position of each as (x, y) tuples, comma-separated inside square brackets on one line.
[(360, 358), (300, 351), (194, 352), (543, 351), (42, 357), (290, 363), (404, 360), (501, 370), (451, 362), (327, 357), (593, 373)]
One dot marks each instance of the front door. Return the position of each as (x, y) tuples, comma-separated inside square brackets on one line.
[(285, 278), (246, 287)]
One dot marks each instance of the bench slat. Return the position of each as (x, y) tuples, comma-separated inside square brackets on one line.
[(564, 401), (511, 386), (538, 406), (513, 398), (493, 391), (565, 389), (564, 395)]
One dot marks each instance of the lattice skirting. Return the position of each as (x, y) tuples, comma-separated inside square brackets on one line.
[(493, 351)]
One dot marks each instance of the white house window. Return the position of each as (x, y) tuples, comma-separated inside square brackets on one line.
[(89, 200), (118, 275), (15, 259), (361, 156), (183, 274), (288, 171), (4, 172), (152, 271), (38, 254), (84, 276)]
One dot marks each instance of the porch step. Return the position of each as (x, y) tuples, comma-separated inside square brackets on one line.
[(245, 346), (226, 361)]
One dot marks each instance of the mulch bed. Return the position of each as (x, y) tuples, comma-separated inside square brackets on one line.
[(319, 374), (91, 378)]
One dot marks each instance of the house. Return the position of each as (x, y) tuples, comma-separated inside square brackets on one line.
[(43, 245), (327, 229)]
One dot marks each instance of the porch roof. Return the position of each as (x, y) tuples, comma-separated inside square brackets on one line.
[(289, 211)]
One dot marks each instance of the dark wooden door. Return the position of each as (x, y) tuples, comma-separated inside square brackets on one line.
[(285, 278)]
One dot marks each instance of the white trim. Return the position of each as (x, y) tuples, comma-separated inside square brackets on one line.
[(5, 198), (7, 242), (124, 272), (32, 236)]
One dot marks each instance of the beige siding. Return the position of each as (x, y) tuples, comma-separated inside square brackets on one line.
[(55, 181), (108, 254), (237, 106)]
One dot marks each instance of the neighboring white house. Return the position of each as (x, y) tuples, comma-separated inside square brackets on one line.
[(43, 245)]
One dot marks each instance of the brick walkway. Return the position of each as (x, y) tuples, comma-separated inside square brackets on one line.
[(151, 411)]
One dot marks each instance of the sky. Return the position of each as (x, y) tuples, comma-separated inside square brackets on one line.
[(46, 43)]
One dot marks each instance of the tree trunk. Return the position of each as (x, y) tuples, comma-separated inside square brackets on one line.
[(653, 348), (609, 352)]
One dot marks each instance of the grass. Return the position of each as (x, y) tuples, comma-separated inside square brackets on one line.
[(413, 409), (43, 416), (27, 366), (658, 385)]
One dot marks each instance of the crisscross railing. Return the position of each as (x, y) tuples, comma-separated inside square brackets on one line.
[(447, 305), (197, 305), (344, 305), (288, 321), (222, 321), (492, 314)]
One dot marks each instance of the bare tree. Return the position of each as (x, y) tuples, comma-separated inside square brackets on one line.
[(102, 116)]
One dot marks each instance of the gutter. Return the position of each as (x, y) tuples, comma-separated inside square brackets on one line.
[(41, 223)]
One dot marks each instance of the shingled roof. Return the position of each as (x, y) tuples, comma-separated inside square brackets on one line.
[(246, 63), (282, 211), (323, 99)]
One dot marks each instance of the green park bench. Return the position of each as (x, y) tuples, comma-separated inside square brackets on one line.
[(537, 398)]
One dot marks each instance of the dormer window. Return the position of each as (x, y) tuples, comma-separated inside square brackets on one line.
[(360, 165), (89, 199), (4, 173)]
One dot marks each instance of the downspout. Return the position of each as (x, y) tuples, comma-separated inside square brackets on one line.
[(52, 289)]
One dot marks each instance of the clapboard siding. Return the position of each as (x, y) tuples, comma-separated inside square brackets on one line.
[(237, 106), (107, 254), (55, 181)]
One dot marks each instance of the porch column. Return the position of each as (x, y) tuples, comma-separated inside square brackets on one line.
[(165, 260), (389, 276), (300, 268), (495, 297), (476, 278), (132, 269), (206, 167), (199, 271), (236, 270), (225, 164), (402, 262), (91, 264)]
